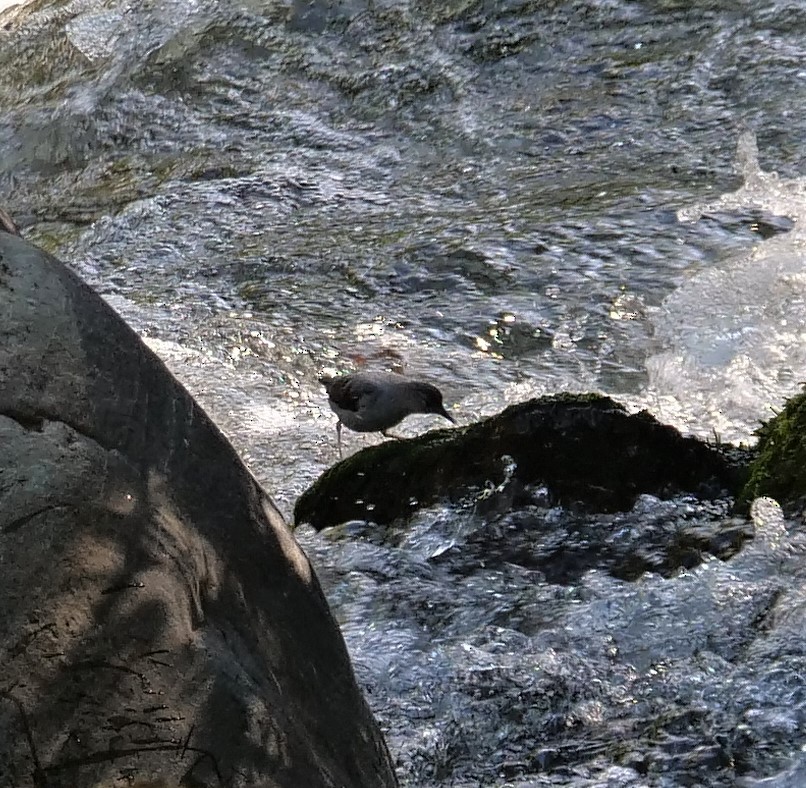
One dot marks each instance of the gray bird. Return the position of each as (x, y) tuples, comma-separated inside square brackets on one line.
[(377, 401)]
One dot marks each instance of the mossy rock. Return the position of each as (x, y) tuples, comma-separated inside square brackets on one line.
[(779, 469), (587, 449)]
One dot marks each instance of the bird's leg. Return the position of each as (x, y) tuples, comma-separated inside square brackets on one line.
[(338, 437), (387, 434)]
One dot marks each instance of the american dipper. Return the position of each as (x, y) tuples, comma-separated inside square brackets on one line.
[(377, 401)]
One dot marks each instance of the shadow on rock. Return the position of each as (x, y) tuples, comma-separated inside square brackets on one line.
[(159, 621)]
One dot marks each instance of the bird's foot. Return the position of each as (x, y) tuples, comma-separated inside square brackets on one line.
[(387, 434)]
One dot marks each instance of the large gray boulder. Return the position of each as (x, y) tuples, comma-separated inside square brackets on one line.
[(159, 621)]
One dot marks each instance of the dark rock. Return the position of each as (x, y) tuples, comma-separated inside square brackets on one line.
[(779, 469), (160, 622), (586, 448)]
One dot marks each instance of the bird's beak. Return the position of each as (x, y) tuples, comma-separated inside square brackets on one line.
[(448, 416)]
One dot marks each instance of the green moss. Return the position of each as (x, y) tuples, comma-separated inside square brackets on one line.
[(779, 469)]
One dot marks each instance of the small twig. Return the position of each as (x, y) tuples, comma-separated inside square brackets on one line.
[(7, 223)]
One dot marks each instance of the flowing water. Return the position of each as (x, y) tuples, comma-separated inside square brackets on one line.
[(510, 199)]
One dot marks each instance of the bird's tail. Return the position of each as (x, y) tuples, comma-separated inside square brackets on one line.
[(326, 381)]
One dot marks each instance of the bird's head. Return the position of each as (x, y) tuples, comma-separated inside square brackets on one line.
[(432, 401)]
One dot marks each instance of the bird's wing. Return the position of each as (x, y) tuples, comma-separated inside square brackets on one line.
[(348, 392)]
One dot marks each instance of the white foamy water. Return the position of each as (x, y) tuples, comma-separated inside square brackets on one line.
[(733, 336)]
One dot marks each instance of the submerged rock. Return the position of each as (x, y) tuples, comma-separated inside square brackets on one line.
[(159, 620), (586, 449)]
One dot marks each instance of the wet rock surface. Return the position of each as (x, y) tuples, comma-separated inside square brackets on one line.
[(586, 449)]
